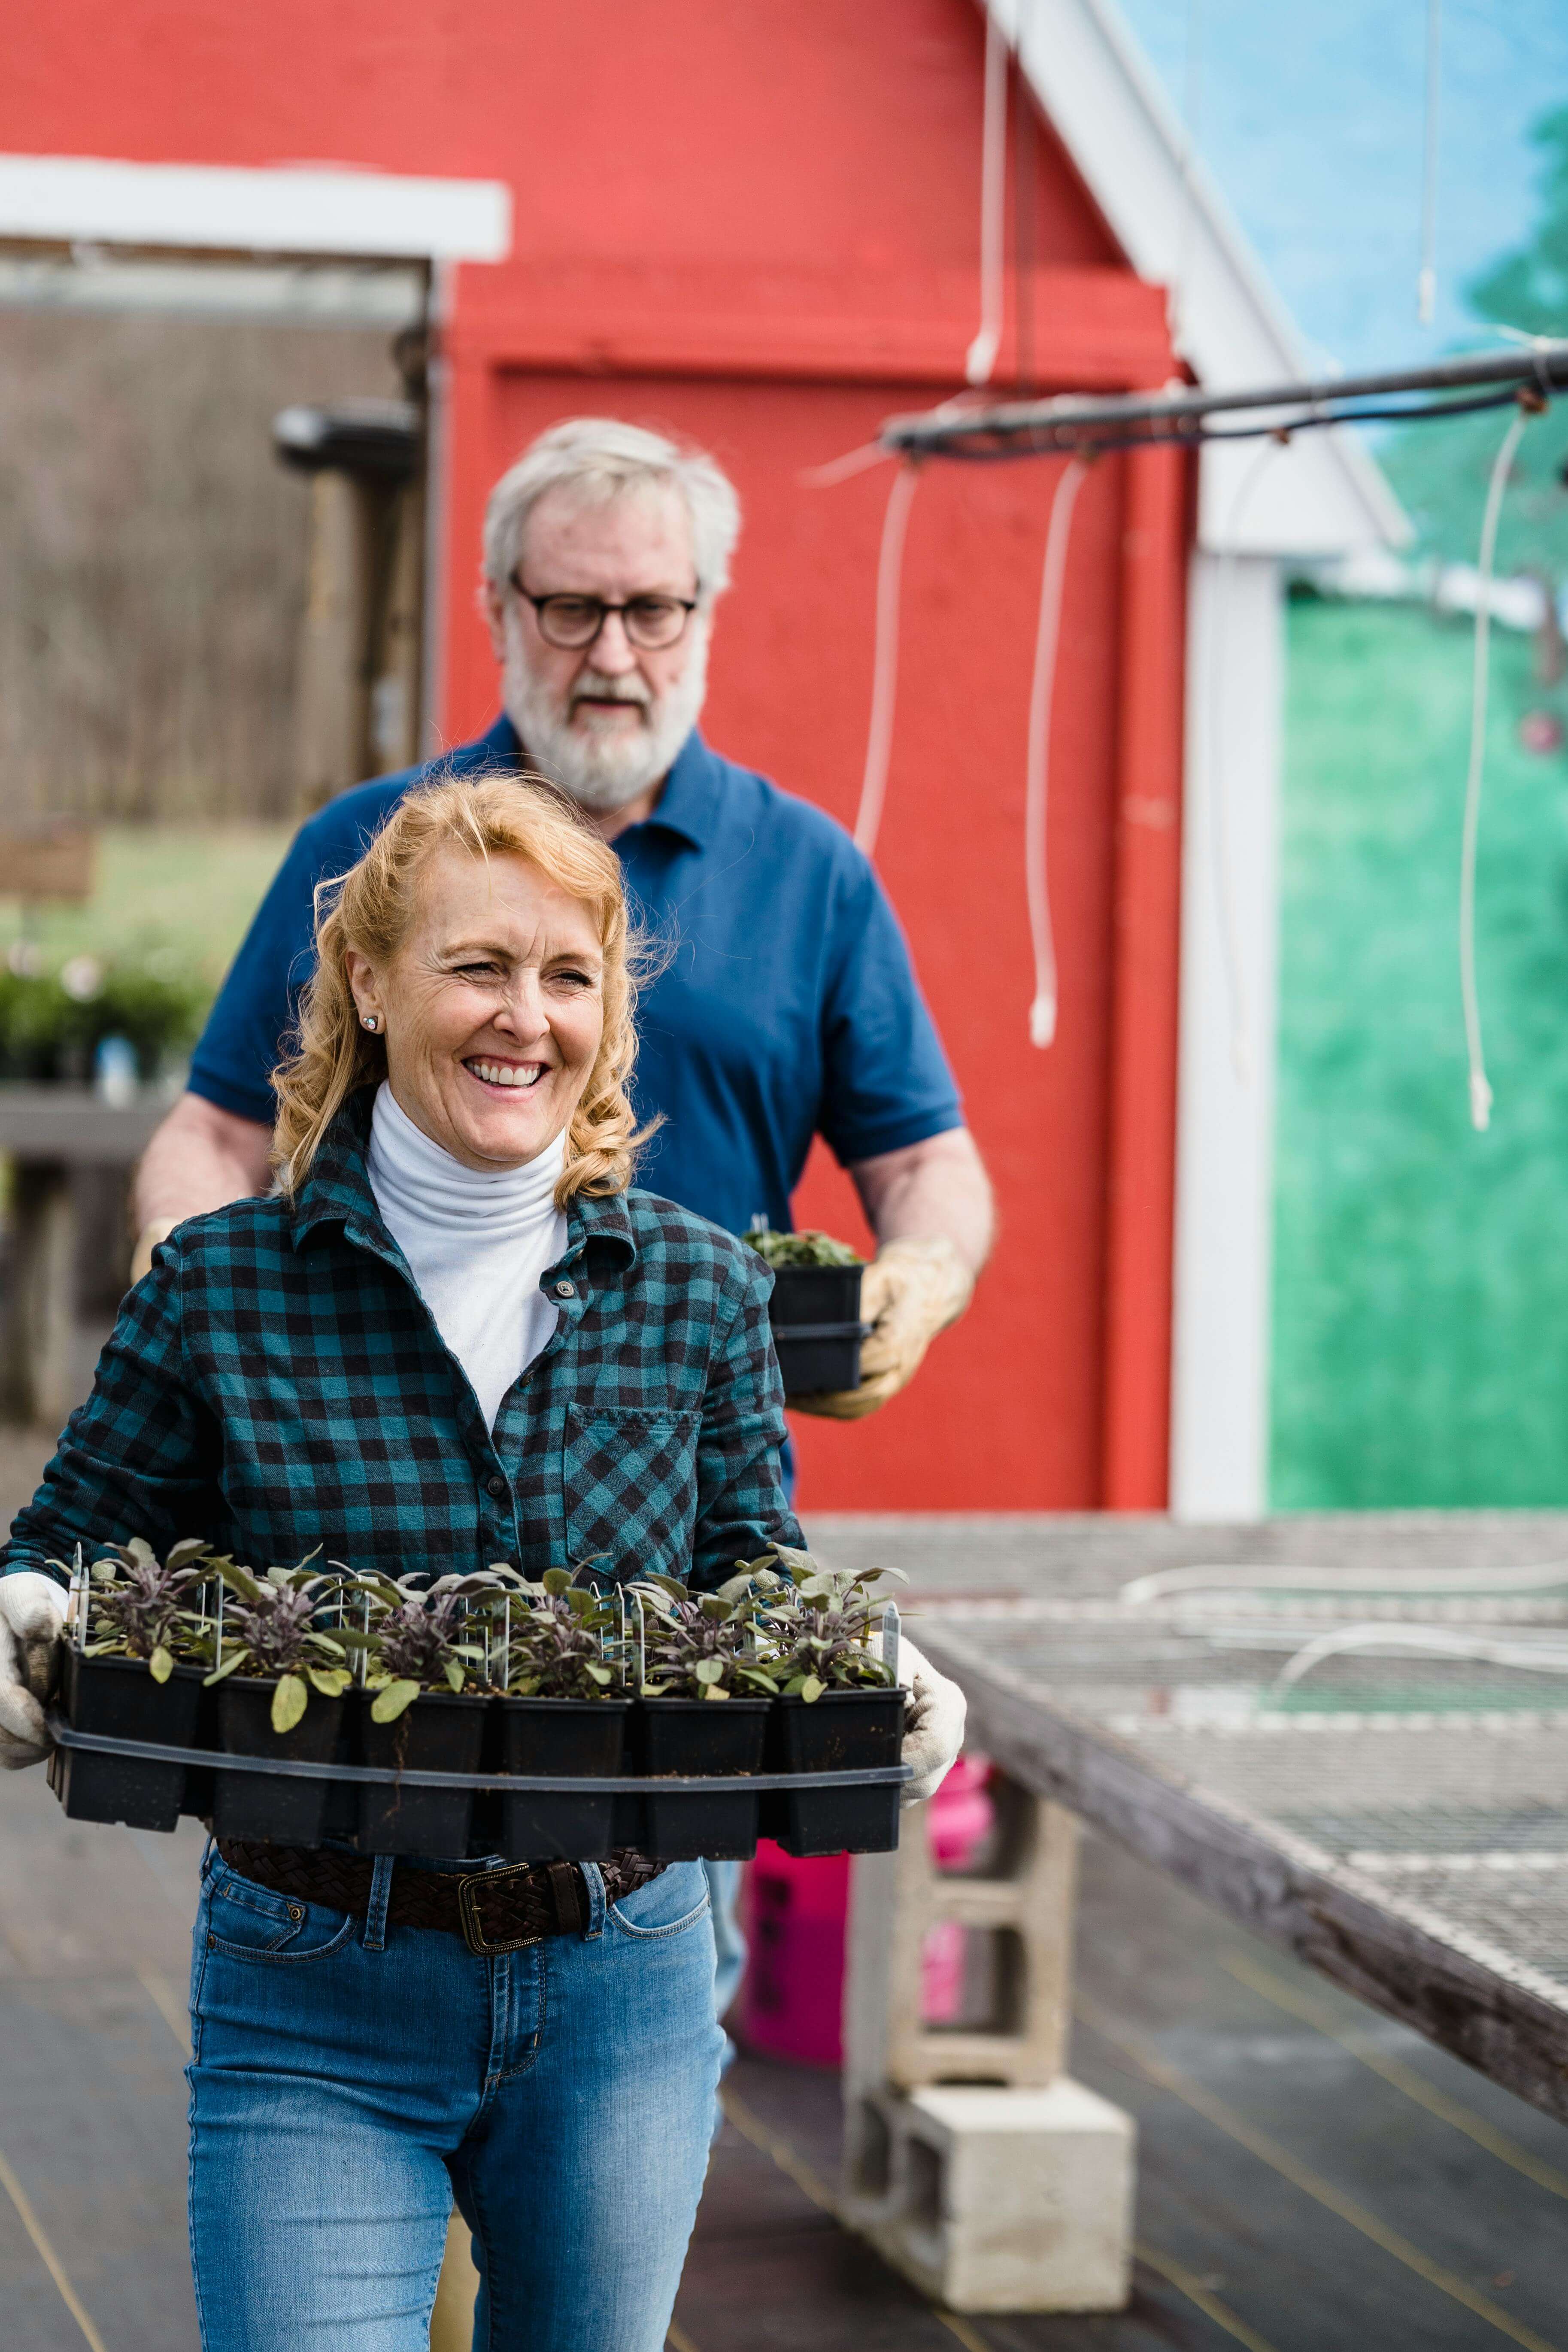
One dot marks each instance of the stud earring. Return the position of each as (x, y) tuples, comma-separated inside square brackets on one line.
[(370, 1020)]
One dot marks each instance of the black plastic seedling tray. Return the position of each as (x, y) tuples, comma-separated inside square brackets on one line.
[(665, 1799), (817, 1331), (839, 1732)]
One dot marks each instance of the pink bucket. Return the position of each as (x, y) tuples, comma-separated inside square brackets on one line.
[(791, 2004)]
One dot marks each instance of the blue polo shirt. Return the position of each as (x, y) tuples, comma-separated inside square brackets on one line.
[(785, 1004)]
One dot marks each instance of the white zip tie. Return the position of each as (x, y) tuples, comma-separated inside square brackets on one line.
[(884, 660), (981, 357), (1036, 790), (1480, 1089)]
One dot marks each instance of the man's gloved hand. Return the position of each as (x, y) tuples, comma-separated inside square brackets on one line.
[(32, 1611), (934, 1720), (911, 1291)]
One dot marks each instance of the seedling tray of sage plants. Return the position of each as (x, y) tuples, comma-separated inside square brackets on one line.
[(355, 1696)]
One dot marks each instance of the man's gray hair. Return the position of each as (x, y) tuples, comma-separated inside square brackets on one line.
[(598, 457)]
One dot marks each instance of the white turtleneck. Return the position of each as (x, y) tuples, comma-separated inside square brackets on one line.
[(476, 1245)]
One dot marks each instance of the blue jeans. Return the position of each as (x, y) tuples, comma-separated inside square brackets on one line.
[(350, 2079)]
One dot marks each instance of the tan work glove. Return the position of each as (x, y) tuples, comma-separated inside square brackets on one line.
[(934, 1723), (911, 1291), (147, 1241), (32, 1611)]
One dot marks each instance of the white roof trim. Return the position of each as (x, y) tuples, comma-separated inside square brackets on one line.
[(284, 209), (1325, 494)]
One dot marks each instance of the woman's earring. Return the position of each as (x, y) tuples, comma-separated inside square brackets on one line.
[(370, 1020)]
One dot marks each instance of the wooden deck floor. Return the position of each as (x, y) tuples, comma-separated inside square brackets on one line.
[(1310, 2176)]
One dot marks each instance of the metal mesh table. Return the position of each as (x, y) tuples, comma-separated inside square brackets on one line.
[(1399, 1822)]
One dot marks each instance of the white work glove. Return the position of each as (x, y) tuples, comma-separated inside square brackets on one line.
[(933, 1720), (911, 1291), (32, 1611)]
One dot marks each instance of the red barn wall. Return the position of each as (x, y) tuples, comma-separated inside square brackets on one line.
[(757, 226)]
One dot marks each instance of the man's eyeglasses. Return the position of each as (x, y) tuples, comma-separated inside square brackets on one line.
[(572, 623)]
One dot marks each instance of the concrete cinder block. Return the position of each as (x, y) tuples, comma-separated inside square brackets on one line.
[(997, 2198), (1026, 1906)]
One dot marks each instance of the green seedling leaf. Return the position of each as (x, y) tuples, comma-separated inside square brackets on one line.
[(715, 1607), (600, 1675), (454, 1673), (186, 1552), (390, 1703), (236, 1657), (331, 1681), (239, 1580), (139, 1549), (557, 1580), (811, 1689), (160, 1665), (714, 1691), (104, 1571), (289, 1702), (583, 1604), (709, 1669)]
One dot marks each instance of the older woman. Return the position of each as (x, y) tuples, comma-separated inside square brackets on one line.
[(453, 1336)]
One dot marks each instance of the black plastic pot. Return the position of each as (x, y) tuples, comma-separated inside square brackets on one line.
[(701, 1736), (272, 1805), (118, 1699), (817, 1330), (842, 1732), (581, 1738), (442, 1731)]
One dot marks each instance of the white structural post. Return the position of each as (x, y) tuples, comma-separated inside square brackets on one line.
[(1231, 946)]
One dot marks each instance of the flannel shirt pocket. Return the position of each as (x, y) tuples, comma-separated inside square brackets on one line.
[(629, 1477)]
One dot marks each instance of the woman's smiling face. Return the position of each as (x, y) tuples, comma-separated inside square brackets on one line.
[(492, 1009)]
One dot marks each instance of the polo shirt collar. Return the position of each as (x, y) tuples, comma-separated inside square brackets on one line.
[(687, 807)]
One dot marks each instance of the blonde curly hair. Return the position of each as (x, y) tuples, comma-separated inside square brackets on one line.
[(372, 909)]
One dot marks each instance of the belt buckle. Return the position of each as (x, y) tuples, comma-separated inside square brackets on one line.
[(468, 1911)]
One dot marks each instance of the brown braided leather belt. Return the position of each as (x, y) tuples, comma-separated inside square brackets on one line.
[(494, 1911)]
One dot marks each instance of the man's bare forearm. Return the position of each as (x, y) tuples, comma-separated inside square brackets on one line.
[(934, 1190), (200, 1159)]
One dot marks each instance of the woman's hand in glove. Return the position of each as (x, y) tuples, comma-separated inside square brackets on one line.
[(32, 1611), (934, 1721)]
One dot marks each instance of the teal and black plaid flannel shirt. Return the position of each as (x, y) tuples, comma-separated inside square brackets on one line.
[(277, 1382)]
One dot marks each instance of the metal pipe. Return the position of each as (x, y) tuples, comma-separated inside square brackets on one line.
[(1543, 365)]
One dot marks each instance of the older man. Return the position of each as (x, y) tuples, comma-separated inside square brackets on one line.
[(785, 1004)]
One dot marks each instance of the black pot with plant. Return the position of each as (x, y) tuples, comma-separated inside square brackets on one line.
[(126, 1680), (564, 1715), (839, 1710), (815, 1309), (281, 1674), (707, 1692), (422, 1708)]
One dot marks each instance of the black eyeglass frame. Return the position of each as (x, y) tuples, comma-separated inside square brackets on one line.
[(688, 605)]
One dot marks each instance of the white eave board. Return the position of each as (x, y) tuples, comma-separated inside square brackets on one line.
[(282, 209), (1325, 494)]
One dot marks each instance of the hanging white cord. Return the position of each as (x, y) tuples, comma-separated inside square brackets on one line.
[(1036, 791), (982, 354), (1219, 790), (1426, 280), (1480, 1091), (884, 660)]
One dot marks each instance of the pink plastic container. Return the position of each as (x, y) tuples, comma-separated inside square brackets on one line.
[(791, 2004)]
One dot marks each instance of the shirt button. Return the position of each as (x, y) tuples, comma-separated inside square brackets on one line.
[(565, 1290), (496, 1486)]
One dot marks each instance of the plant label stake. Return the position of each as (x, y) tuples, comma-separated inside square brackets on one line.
[(79, 1594), (890, 1638)]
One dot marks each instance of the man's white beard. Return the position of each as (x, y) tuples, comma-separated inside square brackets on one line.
[(602, 767)]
